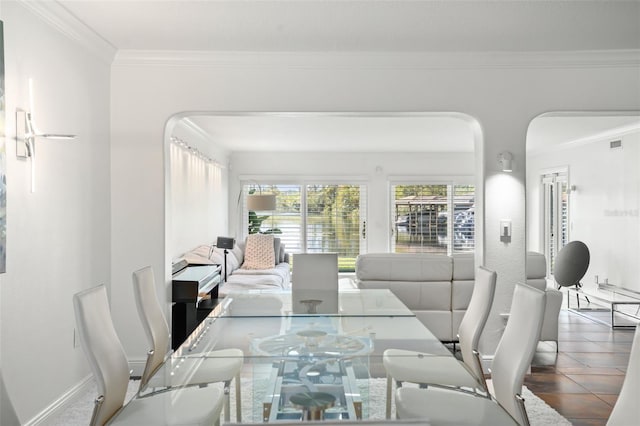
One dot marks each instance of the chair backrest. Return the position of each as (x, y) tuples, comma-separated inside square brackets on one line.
[(103, 349), (153, 321), (516, 349), (315, 278), (627, 410), (475, 318)]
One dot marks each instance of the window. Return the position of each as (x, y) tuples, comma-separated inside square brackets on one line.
[(556, 215), (315, 218), (438, 218)]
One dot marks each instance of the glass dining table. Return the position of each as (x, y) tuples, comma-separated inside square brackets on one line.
[(300, 365)]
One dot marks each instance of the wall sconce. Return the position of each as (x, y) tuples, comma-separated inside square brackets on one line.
[(505, 159), (26, 134)]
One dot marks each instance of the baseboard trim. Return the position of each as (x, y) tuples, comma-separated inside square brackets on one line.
[(66, 399), (72, 394)]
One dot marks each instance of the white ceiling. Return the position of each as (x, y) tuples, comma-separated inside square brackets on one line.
[(366, 26), (356, 25), (553, 131)]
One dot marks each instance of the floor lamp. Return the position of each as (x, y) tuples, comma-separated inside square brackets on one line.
[(225, 243)]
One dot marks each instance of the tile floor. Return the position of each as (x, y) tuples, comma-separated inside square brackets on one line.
[(582, 381)]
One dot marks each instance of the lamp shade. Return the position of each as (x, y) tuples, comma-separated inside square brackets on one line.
[(261, 202)]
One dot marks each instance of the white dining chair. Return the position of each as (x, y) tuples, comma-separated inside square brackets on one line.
[(218, 366), (186, 405), (415, 367), (626, 411), (510, 363)]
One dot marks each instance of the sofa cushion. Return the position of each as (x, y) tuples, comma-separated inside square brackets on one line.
[(434, 295), (278, 279), (259, 252), (438, 323), (463, 266), (199, 256), (461, 292), (404, 267)]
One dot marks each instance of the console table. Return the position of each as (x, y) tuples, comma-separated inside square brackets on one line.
[(612, 296)]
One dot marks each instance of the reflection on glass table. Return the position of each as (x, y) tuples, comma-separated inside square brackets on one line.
[(333, 361), (257, 303), (314, 366)]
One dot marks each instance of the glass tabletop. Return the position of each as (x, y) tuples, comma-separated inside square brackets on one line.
[(257, 303), (283, 358)]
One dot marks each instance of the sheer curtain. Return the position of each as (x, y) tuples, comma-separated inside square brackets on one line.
[(197, 198)]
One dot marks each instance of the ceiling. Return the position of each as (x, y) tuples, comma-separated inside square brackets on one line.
[(366, 26), (553, 131), (356, 25)]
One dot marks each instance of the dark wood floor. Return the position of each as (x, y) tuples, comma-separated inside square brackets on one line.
[(583, 380)]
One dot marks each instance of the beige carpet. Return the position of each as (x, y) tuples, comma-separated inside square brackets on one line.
[(79, 413), (540, 414)]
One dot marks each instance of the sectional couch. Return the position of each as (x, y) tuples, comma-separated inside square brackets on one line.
[(438, 288), (243, 279)]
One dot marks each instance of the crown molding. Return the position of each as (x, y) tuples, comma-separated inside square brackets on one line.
[(381, 60), (59, 18), (196, 130)]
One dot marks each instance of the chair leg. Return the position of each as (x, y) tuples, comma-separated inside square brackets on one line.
[(97, 404), (388, 406), (523, 411), (238, 399), (227, 402)]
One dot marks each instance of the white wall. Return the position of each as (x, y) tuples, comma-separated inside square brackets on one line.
[(604, 208), (502, 99), (198, 190), (71, 234), (360, 166), (58, 238)]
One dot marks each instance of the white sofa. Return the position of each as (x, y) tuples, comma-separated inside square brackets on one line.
[(437, 288), (240, 279)]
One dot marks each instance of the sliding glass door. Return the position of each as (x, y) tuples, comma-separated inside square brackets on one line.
[(314, 218)]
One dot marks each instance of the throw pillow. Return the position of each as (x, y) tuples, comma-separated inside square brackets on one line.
[(276, 249), (238, 252), (282, 252), (259, 253)]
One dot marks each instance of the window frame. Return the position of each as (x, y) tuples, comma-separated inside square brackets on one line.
[(449, 181), (303, 184)]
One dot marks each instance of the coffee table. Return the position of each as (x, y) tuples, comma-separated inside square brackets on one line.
[(614, 298), (306, 366)]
